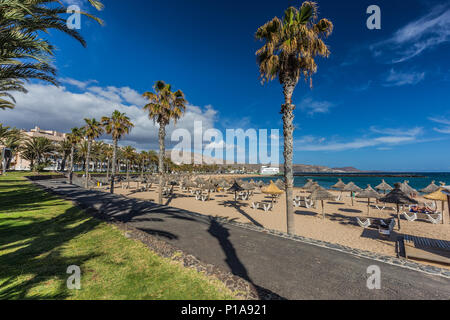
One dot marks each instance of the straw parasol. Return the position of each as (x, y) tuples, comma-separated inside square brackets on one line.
[(235, 188), (308, 184), (406, 188), (398, 197), (313, 187), (280, 184), (432, 187), (352, 188), (438, 195), (320, 194), (339, 185), (383, 186), (272, 189), (368, 193)]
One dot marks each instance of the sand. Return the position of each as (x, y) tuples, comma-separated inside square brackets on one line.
[(339, 225)]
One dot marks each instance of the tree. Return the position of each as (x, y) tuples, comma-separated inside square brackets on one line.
[(24, 54), (108, 152), (164, 106), (117, 126), (37, 150), (74, 138), (92, 130), (63, 148), (10, 138), (130, 156), (290, 48)]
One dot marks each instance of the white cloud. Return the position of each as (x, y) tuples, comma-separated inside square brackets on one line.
[(445, 129), (312, 107), (423, 34), (389, 137), (79, 84), (397, 79), (50, 107)]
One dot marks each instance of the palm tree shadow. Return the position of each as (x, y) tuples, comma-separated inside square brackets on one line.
[(222, 234), (238, 206)]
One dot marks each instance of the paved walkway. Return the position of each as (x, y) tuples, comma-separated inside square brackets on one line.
[(292, 269)]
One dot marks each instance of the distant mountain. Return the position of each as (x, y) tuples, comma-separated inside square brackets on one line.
[(347, 169)]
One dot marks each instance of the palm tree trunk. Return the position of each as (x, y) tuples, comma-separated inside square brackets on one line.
[(162, 136), (88, 155), (63, 164), (72, 151), (107, 169), (288, 130), (128, 173), (113, 170)]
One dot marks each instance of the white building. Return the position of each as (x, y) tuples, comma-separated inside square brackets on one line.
[(269, 170)]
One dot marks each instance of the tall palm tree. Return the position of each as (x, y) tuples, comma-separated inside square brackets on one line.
[(74, 138), (92, 130), (288, 53), (108, 152), (129, 154), (164, 106), (25, 54), (143, 158), (117, 126), (63, 148)]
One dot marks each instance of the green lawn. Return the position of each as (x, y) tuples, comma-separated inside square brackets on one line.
[(41, 235)]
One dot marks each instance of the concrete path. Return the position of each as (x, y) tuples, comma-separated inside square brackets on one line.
[(291, 269)]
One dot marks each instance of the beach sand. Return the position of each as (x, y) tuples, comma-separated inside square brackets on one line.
[(339, 225)]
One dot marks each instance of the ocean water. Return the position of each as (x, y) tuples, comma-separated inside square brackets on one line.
[(374, 179)]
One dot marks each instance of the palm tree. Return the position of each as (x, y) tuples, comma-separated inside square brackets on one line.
[(129, 154), (10, 138), (37, 150), (290, 48), (117, 125), (25, 54), (143, 157), (92, 130), (63, 147), (74, 138), (108, 152), (164, 106)]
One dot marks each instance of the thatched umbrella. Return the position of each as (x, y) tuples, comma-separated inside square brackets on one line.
[(280, 184), (406, 188), (235, 188), (398, 197), (272, 189), (313, 186), (339, 185), (308, 184), (383, 186), (320, 194), (432, 187), (368, 193), (352, 188), (438, 195)]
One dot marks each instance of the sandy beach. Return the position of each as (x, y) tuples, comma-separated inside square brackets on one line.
[(339, 225)]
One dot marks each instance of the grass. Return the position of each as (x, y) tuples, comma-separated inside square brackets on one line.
[(41, 235)]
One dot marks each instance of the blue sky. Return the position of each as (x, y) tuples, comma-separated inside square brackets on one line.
[(379, 102)]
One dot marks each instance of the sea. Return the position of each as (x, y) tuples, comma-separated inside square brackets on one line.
[(417, 180)]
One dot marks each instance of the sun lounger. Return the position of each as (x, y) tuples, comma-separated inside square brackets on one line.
[(426, 249), (384, 227), (434, 218), (266, 206)]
